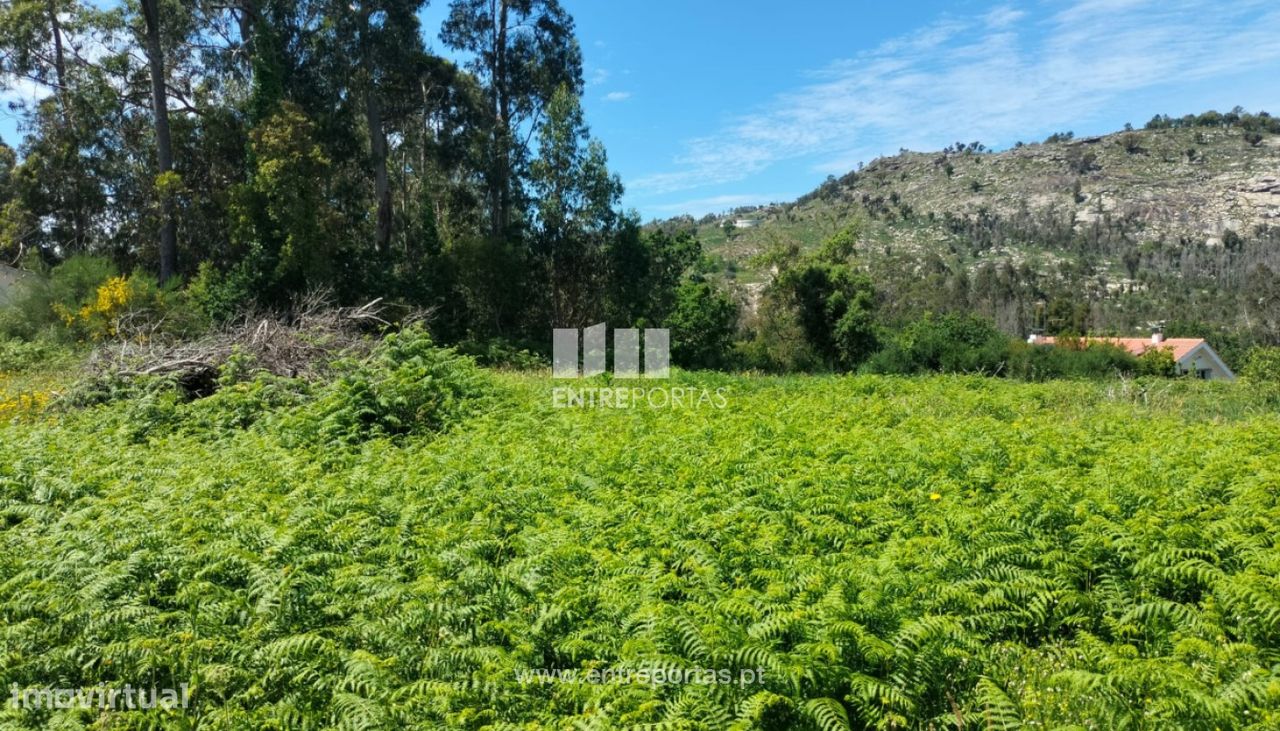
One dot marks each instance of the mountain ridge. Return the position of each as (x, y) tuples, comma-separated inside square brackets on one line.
[(1178, 221)]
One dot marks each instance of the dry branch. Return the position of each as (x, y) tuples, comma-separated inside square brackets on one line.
[(301, 342)]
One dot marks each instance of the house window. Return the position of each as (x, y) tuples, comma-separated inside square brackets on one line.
[(1204, 373)]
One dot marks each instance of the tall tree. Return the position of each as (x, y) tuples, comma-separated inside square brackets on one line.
[(36, 38), (32, 40), (391, 53), (373, 56), (522, 52), (164, 144), (576, 209)]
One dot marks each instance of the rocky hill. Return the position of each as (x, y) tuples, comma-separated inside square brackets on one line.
[(1195, 184), (1174, 223)]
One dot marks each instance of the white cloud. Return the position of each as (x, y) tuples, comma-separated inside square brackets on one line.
[(22, 93), (597, 76), (1003, 17), (19, 89), (617, 96), (990, 77)]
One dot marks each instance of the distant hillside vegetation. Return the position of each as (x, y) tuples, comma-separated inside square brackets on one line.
[(1179, 221)]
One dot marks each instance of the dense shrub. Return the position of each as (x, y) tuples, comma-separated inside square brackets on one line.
[(835, 306), (216, 297), (971, 344), (86, 299), (502, 353), (1157, 362), (408, 385), (825, 299), (948, 344), (17, 356), (1067, 360), (405, 386), (1262, 364), (45, 302), (776, 342), (702, 326)]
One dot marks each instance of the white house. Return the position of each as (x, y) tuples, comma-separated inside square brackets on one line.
[(1192, 355)]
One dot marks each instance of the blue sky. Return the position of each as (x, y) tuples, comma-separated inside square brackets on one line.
[(708, 105)]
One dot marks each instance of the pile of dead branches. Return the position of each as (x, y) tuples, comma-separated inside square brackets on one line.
[(297, 343)]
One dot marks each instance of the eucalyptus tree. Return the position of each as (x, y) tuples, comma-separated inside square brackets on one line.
[(48, 54), (154, 50), (521, 51), (575, 209)]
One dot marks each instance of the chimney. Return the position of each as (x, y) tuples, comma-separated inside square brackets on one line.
[(1157, 334)]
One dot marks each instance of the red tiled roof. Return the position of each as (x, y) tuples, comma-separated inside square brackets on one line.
[(1180, 346)]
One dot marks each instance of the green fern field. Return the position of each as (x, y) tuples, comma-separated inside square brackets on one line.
[(935, 553)]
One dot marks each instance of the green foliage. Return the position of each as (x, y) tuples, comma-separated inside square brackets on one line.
[(575, 211), (970, 344), (702, 325), (18, 356), (215, 297), (341, 154), (892, 553), (1077, 359), (1157, 362), (284, 219), (645, 271), (408, 386), (776, 342), (499, 353), (43, 301), (946, 344), (1237, 117), (84, 299), (1262, 364), (833, 303)]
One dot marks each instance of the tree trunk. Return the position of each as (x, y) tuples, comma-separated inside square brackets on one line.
[(247, 13), (78, 223), (378, 151), (59, 62), (164, 146), (501, 183)]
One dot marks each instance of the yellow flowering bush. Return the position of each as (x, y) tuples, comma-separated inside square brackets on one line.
[(23, 404), (100, 316), (87, 298)]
